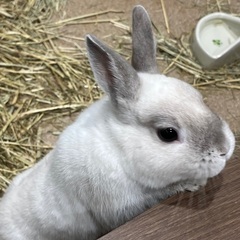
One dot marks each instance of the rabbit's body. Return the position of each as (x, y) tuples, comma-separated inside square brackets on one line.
[(55, 207), (52, 203), (117, 159)]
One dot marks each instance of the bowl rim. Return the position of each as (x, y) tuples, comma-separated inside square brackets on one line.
[(210, 17)]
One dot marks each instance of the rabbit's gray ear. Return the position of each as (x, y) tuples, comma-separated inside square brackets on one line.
[(143, 42), (113, 73)]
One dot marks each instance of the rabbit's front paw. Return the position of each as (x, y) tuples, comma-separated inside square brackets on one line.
[(191, 187), (194, 185)]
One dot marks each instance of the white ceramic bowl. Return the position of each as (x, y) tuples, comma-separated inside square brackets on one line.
[(216, 40)]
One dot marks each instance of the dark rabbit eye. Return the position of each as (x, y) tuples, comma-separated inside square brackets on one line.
[(167, 134)]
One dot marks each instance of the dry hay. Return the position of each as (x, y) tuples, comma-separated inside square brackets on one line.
[(41, 82), (38, 82)]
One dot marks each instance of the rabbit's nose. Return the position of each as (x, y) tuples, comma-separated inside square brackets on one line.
[(224, 150), (227, 151)]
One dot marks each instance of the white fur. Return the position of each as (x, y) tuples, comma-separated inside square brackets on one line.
[(110, 165)]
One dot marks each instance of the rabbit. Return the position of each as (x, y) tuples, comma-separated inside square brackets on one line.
[(150, 137)]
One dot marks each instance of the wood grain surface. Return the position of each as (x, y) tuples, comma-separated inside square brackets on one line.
[(211, 213)]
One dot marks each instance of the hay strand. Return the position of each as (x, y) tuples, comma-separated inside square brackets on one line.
[(165, 16)]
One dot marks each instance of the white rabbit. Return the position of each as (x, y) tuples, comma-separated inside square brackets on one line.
[(150, 137)]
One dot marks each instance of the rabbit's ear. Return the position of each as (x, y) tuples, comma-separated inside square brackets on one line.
[(113, 73), (143, 42)]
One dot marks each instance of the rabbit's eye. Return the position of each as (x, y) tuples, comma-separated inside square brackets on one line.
[(167, 134)]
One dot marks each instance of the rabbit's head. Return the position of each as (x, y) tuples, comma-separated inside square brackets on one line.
[(164, 131)]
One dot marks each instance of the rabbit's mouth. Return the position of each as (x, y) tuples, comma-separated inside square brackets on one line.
[(212, 164)]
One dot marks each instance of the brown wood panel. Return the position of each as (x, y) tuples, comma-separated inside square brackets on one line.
[(211, 213)]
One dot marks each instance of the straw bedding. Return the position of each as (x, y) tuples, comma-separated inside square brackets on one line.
[(41, 83)]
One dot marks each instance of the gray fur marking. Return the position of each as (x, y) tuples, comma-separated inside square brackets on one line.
[(113, 73), (143, 43)]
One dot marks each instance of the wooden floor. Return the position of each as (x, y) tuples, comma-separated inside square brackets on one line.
[(211, 213)]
